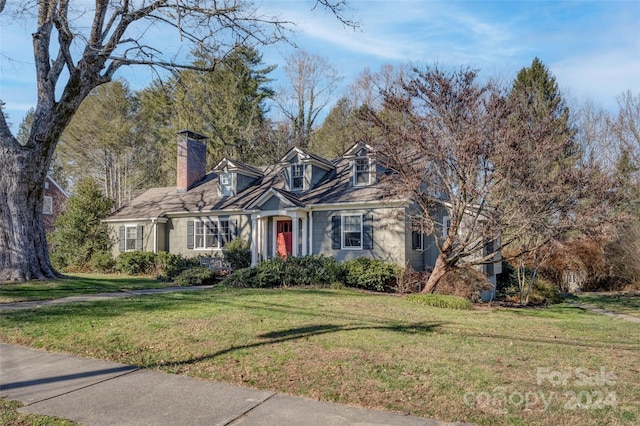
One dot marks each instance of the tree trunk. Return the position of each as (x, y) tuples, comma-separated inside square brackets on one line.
[(24, 254), (440, 268)]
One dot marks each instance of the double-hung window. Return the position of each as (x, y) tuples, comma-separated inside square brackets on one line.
[(211, 234), (297, 177), (352, 231), (361, 171), (130, 235), (417, 235), (226, 188)]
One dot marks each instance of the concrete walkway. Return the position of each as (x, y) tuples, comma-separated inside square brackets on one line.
[(601, 311), (94, 392)]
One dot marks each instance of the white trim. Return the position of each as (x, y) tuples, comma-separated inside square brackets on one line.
[(198, 214), (217, 221), (292, 177), (358, 205), (142, 219), (135, 228), (354, 176), (342, 232), (264, 197), (57, 186)]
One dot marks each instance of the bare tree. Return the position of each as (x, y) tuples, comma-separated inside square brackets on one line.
[(466, 148), (312, 84), (77, 48)]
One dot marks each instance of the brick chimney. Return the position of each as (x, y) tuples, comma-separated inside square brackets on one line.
[(192, 159)]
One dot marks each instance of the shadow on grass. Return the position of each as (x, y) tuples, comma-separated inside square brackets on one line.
[(290, 334)]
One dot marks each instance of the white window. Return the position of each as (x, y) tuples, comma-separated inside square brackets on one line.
[(361, 171), (210, 234), (352, 231), (226, 187), (47, 205), (130, 237), (297, 177)]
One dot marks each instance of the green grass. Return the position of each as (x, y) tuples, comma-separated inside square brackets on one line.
[(73, 285), (440, 301), (371, 350), (9, 416), (621, 303)]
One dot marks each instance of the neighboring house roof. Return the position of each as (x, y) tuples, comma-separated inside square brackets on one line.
[(53, 181), (335, 188)]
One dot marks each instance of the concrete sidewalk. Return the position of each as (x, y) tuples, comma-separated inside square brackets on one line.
[(94, 392)]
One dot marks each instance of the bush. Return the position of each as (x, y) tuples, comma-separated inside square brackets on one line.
[(162, 265), (370, 274), (102, 262), (136, 263), (440, 301), (167, 265), (308, 270), (465, 281), (196, 276), (238, 253)]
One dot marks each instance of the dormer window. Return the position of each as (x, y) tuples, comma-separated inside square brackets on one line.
[(361, 171), (226, 186), (297, 177)]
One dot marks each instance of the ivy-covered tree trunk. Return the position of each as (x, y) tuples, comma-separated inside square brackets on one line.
[(23, 244)]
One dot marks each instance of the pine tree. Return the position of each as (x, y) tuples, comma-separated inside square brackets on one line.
[(80, 233)]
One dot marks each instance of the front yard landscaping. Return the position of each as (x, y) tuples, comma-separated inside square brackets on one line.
[(556, 365)]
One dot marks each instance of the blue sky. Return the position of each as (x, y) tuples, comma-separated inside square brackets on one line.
[(592, 47)]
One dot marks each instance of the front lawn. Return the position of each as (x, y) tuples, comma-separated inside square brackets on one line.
[(73, 285), (558, 365)]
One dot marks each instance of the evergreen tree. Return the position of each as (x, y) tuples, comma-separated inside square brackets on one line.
[(80, 233)]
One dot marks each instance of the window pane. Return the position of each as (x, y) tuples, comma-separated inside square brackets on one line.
[(362, 171), (212, 235), (225, 232), (130, 238), (47, 206), (225, 185), (352, 231), (297, 176), (198, 234)]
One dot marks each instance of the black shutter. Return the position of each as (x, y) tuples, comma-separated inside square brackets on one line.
[(190, 234), (121, 239), (367, 228), (336, 232), (139, 237), (235, 232)]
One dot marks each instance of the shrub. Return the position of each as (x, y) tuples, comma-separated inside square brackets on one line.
[(167, 265), (370, 274), (102, 261), (465, 281), (196, 276), (292, 271), (241, 278), (238, 253), (440, 301), (136, 262)]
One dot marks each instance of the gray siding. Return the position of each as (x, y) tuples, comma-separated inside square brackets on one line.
[(147, 235), (317, 174), (388, 236), (273, 203), (178, 233), (243, 182)]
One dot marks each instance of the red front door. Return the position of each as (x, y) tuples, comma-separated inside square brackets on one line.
[(283, 237)]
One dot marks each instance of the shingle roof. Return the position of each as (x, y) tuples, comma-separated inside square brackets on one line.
[(335, 188)]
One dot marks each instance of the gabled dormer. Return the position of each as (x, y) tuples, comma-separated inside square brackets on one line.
[(362, 164), (301, 171), (235, 176)]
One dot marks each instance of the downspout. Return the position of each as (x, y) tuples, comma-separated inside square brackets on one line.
[(310, 232), (155, 234)]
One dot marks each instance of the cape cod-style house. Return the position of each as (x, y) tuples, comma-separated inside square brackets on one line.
[(304, 204)]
